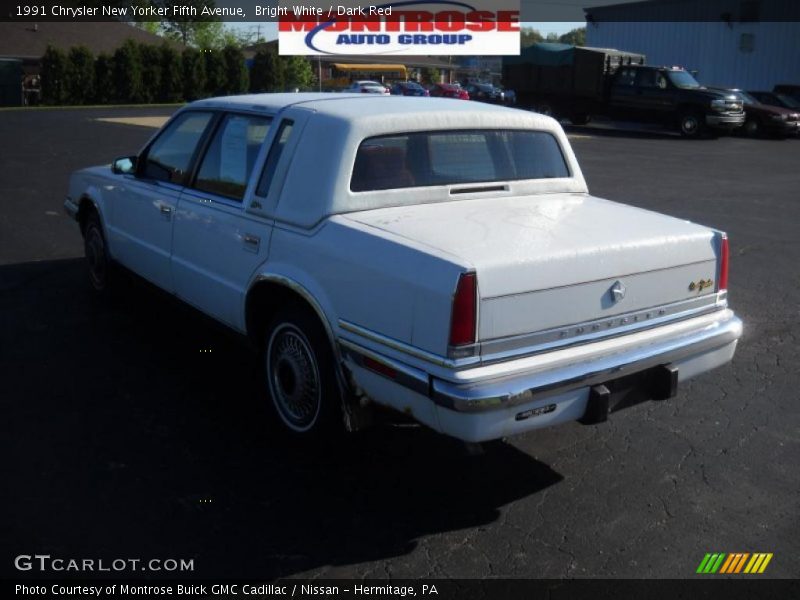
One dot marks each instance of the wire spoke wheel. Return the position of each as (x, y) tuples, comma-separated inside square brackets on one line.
[(293, 377)]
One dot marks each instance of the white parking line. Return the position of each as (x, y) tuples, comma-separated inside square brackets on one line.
[(154, 122)]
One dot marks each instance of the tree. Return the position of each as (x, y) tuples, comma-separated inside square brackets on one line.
[(552, 36), (576, 37), (431, 75), (79, 80), (53, 76), (150, 60), (259, 72), (171, 74), (128, 73), (215, 72), (103, 79), (186, 28), (236, 76), (193, 70), (275, 80), (297, 72), (529, 36)]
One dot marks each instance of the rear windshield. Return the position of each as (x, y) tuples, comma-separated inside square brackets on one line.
[(451, 157)]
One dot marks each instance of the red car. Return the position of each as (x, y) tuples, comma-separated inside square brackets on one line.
[(448, 90)]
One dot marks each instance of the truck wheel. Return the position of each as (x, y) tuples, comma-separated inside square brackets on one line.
[(101, 268), (691, 124), (752, 128), (580, 119), (300, 375), (546, 109)]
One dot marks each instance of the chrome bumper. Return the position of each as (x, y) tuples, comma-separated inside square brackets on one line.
[(725, 120), (71, 208), (521, 381)]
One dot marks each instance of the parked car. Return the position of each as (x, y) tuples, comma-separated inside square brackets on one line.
[(791, 90), (445, 260), (764, 119), (484, 92), (367, 87), (408, 88), (774, 99), (449, 90)]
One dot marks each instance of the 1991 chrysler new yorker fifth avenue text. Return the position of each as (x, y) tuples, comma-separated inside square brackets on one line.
[(441, 258)]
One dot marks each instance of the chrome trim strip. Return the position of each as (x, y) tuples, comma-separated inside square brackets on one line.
[(478, 396), (588, 331), (413, 379), (71, 208), (403, 347)]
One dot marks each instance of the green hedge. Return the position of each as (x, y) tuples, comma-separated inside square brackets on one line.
[(146, 73)]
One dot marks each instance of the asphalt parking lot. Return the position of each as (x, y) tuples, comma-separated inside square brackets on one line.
[(133, 428)]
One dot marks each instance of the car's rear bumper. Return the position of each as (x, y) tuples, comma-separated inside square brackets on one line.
[(493, 401)]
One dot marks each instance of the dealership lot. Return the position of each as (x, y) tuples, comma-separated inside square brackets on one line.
[(135, 428)]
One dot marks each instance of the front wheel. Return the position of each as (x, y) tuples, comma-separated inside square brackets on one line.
[(691, 124), (300, 374), (101, 268)]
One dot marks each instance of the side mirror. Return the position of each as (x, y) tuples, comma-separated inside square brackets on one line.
[(124, 166)]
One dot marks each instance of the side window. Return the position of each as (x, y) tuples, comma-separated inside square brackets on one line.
[(274, 157), (230, 157), (627, 77), (169, 157)]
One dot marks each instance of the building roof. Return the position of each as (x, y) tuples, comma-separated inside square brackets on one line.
[(28, 40)]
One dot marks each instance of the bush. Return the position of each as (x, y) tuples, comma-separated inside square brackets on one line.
[(128, 73), (103, 79), (194, 74), (53, 76), (79, 80), (298, 72), (171, 79), (215, 72), (150, 60), (236, 76)]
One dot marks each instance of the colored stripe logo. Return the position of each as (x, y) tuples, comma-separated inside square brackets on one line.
[(735, 563)]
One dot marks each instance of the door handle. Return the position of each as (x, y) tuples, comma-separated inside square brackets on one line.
[(251, 242), (166, 211)]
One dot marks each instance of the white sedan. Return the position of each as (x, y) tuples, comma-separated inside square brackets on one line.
[(443, 259), (367, 87)]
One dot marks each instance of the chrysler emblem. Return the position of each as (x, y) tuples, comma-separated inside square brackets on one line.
[(617, 291)]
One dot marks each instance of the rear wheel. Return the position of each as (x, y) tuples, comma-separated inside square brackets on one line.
[(752, 128), (546, 109), (580, 119), (300, 374), (691, 124), (101, 268)]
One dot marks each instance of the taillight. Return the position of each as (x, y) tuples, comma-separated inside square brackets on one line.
[(723, 263), (462, 325)]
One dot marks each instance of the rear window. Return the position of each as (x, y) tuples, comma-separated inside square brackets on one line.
[(452, 157)]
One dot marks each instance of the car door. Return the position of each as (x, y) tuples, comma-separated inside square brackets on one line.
[(216, 245), (654, 98), (141, 218), (622, 95)]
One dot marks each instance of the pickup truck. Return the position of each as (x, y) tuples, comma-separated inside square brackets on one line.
[(440, 258), (578, 83)]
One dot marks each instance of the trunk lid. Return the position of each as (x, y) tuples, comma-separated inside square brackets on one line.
[(552, 260)]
